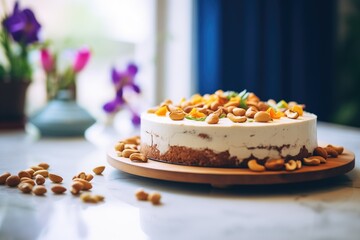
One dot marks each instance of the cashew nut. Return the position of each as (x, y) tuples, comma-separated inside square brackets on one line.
[(239, 111), (254, 166), (331, 152), (236, 119), (262, 116), (127, 152), (291, 114), (291, 165), (212, 118), (214, 106), (274, 164), (218, 112), (262, 106), (138, 157), (250, 112), (298, 164), (132, 140), (234, 104), (171, 108), (119, 146), (177, 115), (339, 149), (319, 151), (229, 109), (311, 162), (322, 160), (252, 103), (188, 109)]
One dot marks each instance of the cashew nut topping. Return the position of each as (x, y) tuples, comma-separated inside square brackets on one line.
[(262, 116), (291, 114), (212, 118), (236, 119), (250, 112), (177, 115)]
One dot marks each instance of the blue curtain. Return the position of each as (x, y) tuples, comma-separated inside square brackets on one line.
[(280, 49)]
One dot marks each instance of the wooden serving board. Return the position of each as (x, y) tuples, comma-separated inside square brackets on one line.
[(232, 176)]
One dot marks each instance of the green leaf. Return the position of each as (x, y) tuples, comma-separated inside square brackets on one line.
[(243, 97), (242, 93), (195, 119), (230, 94), (281, 104)]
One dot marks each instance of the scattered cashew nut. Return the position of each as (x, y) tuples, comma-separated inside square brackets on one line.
[(311, 162), (291, 165), (254, 166), (274, 164)]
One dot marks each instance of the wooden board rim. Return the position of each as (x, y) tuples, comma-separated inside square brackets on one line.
[(232, 176)]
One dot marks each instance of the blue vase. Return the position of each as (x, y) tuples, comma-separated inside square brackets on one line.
[(62, 117)]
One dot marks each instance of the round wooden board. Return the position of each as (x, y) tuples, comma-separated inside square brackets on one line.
[(232, 176)]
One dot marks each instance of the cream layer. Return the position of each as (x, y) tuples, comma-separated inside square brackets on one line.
[(241, 140)]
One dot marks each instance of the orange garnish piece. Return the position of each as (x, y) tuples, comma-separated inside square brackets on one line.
[(196, 114), (196, 99), (161, 111), (298, 109), (210, 99), (234, 101), (274, 114)]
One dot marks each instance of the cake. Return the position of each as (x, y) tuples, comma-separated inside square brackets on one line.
[(227, 129)]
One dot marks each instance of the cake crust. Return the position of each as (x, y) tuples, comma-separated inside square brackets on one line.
[(208, 158)]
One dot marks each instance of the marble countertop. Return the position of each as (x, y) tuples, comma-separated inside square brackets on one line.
[(326, 209)]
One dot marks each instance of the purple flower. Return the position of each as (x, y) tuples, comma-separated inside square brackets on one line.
[(22, 25), (123, 81), (135, 119), (113, 105)]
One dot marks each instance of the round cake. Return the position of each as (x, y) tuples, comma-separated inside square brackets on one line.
[(227, 129)]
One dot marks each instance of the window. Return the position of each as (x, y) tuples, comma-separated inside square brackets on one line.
[(155, 34)]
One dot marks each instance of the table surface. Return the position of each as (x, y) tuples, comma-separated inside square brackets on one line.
[(326, 209)]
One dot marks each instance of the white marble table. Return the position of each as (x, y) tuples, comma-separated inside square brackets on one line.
[(327, 209)]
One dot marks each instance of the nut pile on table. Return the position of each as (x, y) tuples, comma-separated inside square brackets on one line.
[(32, 180), (130, 148)]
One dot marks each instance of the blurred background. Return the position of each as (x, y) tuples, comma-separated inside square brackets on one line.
[(302, 50)]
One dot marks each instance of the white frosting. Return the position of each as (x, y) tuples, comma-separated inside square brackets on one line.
[(240, 139)]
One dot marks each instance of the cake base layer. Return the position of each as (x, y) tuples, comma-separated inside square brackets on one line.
[(207, 157)]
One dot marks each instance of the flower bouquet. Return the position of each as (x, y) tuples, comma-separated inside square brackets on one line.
[(62, 116), (57, 80), (18, 36)]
